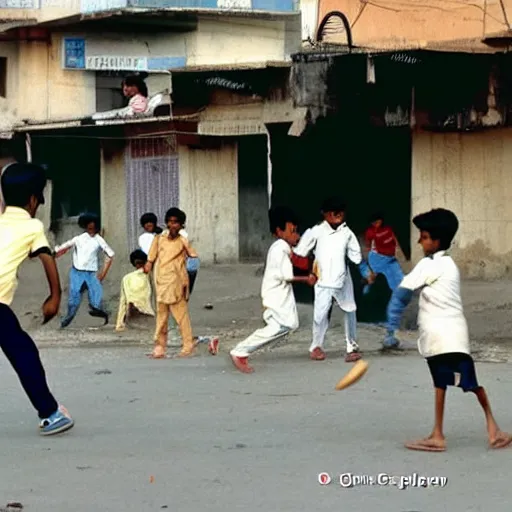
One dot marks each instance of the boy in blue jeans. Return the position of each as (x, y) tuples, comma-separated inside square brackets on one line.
[(22, 236), (84, 272)]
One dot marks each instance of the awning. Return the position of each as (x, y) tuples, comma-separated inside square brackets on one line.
[(251, 119)]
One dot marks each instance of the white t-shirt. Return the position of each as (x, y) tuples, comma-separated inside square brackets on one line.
[(86, 250), (276, 288), (331, 248), (145, 241), (443, 327)]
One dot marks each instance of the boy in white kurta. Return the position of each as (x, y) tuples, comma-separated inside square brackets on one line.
[(332, 242), (280, 314), (444, 338)]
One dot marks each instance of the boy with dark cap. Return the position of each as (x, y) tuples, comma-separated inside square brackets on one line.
[(444, 338), (22, 236)]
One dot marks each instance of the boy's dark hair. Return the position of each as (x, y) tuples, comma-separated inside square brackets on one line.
[(377, 216), (440, 224), (176, 212), (138, 255), (279, 216), (333, 204), (86, 218), (148, 217), (21, 181)]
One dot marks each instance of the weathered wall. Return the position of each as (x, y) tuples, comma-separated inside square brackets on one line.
[(113, 206), (241, 40), (209, 196), (391, 23), (42, 84), (470, 174)]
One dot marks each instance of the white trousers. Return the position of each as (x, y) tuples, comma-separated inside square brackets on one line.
[(324, 298), (258, 339)]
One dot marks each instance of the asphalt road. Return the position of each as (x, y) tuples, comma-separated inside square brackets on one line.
[(195, 435)]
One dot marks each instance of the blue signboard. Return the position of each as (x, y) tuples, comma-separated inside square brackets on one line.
[(74, 53), (165, 63)]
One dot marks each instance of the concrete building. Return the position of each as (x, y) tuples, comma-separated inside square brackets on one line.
[(223, 70), (408, 131)]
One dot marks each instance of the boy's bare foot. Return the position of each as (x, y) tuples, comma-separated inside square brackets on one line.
[(241, 364), (158, 353), (187, 353), (500, 440), (428, 444)]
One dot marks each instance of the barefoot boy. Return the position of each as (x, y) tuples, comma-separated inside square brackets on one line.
[(280, 313), (135, 291), (168, 254), (444, 339), (22, 236)]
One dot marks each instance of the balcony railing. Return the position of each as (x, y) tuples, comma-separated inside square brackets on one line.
[(91, 6)]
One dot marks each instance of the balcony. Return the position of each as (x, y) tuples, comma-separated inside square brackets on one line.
[(271, 6)]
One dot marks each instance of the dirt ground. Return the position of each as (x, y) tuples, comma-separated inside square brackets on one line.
[(233, 290)]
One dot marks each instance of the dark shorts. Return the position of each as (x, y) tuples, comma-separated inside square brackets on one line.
[(454, 369)]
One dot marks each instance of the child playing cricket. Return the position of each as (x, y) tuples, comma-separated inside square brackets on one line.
[(444, 339), (280, 314), (84, 271), (381, 245), (333, 242), (135, 291), (22, 236), (168, 256)]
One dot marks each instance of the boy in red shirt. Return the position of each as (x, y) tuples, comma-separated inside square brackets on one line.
[(381, 244)]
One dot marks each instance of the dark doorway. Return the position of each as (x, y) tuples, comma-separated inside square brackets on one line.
[(74, 168), (254, 234), (369, 167)]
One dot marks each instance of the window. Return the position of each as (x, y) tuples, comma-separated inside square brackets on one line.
[(3, 77)]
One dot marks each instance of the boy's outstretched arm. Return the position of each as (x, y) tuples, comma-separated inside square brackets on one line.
[(52, 303), (423, 274), (306, 243), (65, 247)]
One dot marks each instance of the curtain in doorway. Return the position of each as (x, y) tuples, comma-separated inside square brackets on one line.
[(152, 180)]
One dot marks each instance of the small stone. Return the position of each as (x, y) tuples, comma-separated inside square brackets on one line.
[(15, 504), (103, 372), (208, 306)]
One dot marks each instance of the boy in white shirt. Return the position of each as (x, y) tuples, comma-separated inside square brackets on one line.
[(333, 241), (149, 223), (280, 314), (444, 338), (84, 272)]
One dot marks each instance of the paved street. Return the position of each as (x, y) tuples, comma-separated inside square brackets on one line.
[(194, 435)]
